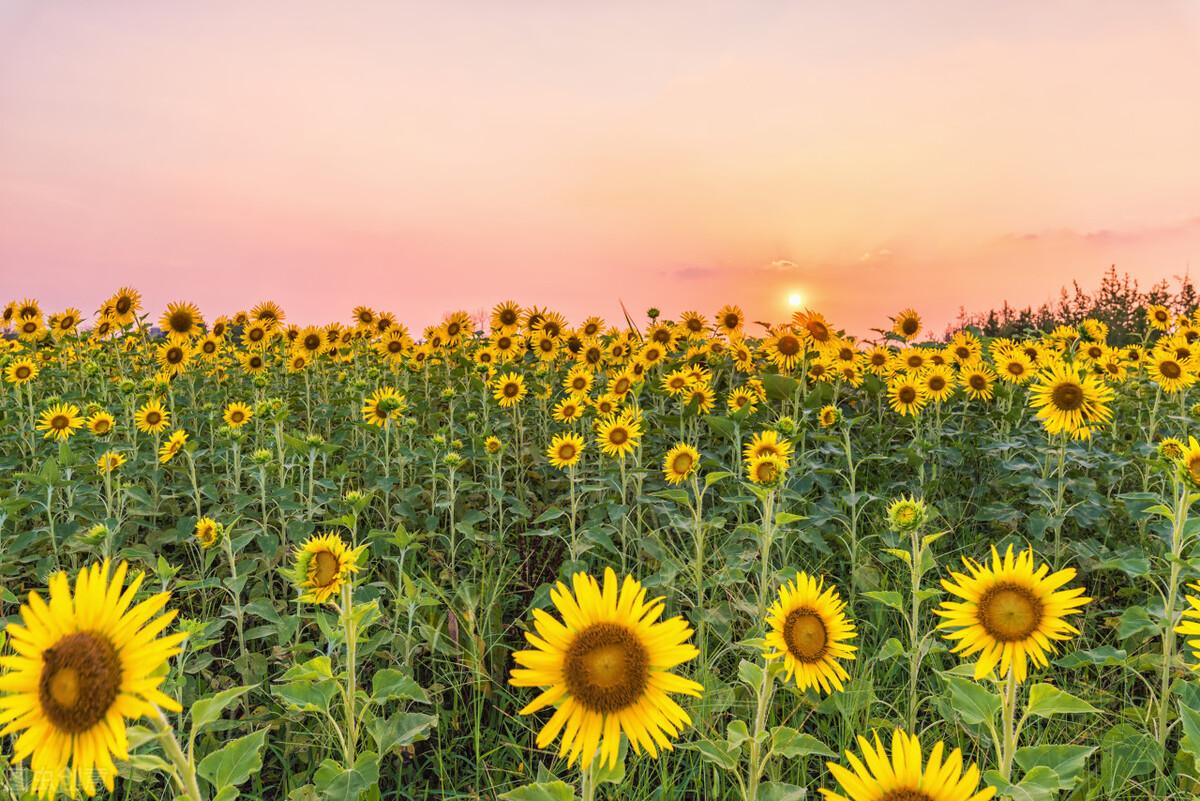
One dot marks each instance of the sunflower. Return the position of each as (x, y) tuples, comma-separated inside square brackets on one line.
[(253, 362), (808, 628), (237, 415), (767, 443), (814, 326), (730, 319), (565, 450), (506, 317), (784, 349), (83, 664), (1190, 625), (766, 469), (181, 320), (1015, 368), (938, 382), (1167, 370), (207, 532), (152, 417), (906, 514), (906, 395), (900, 777), (209, 347), (829, 416), (619, 434), (173, 357), (568, 410), (109, 461), (509, 389), (101, 423), (174, 444), (125, 305), (65, 323), (322, 565), (60, 421), (907, 324), (30, 328), (1070, 402), (1158, 316), (607, 668), (977, 380), (741, 398), (1188, 458), (383, 406), (20, 372), (257, 335), (700, 397), (268, 312), (680, 462), (578, 380), (1172, 449), (493, 445), (1011, 613)]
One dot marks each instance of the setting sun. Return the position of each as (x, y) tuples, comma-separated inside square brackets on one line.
[(795, 300)]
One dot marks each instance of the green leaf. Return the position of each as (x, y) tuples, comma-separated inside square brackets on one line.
[(1039, 784), (719, 754), (337, 783), (401, 730), (737, 734), (784, 518), (715, 476), (390, 684), (679, 496), (778, 791), (208, 710), (887, 598), (541, 791), (234, 762), (1065, 760), (1046, 701), (750, 673), (307, 696), (1191, 729), (553, 513), (791, 744), (1126, 753), (974, 703)]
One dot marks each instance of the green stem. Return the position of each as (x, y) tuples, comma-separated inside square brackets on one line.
[(185, 771)]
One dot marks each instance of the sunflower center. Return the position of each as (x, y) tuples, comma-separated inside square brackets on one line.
[(905, 794), (909, 326), (180, 321), (566, 451), (1010, 612), (682, 463), (325, 568), (81, 677), (907, 394), (1170, 370), (731, 321), (153, 418), (805, 635), (312, 341), (508, 317), (237, 415), (23, 371), (788, 345), (1015, 368), (937, 383), (59, 422), (606, 667), (977, 381), (618, 436), (1068, 397), (123, 305), (175, 355), (511, 389)]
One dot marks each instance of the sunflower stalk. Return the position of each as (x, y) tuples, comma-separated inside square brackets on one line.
[(351, 629), (184, 771), (1179, 519)]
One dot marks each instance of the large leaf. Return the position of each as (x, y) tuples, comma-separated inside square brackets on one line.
[(973, 702), (337, 783), (541, 791), (393, 685), (1126, 753), (1065, 760), (401, 730), (789, 743), (235, 761), (1046, 701), (208, 710)]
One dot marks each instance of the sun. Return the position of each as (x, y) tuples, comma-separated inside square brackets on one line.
[(795, 300)]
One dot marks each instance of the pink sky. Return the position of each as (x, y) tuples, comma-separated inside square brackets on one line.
[(427, 157)]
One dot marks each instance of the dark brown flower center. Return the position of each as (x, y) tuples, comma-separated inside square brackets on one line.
[(789, 345), (910, 326), (1170, 369), (906, 794), (618, 436), (566, 451), (731, 321), (937, 383), (977, 382), (805, 634), (180, 321), (511, 389), (1010, 612), (907, 394), (1068, 397), (59, 422), (124, 304), (81, 676), (606, 668)]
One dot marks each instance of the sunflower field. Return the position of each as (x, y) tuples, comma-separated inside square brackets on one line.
[(511, 557)]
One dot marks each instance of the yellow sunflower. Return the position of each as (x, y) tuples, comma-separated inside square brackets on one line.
[(109, 461), (509, 389), (907, 324), (237, 415), (1190, 625), (784, 349), (767, 469), (565, 450), (1159, 317), (1168, 371), (322, 565), (506, 317), (619, 435), (938, 382), (385, 405), (680, 462), (900, 776), (1011, 613), (607, 668), (767, 443), (568, 410), (181, 320), (20, 372), (807, 627), (977, 380), (152, 417), (60, 421), (906, 395), (1188, 457), (101, 423), (174, 444), (82, 665), (207, 532), (125, 305), (829, 416), (741, 398), (1071, 402)]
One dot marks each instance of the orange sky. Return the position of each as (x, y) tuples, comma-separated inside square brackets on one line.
[(428, 157)]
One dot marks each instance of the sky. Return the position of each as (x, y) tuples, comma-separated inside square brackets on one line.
[(855, 157)]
